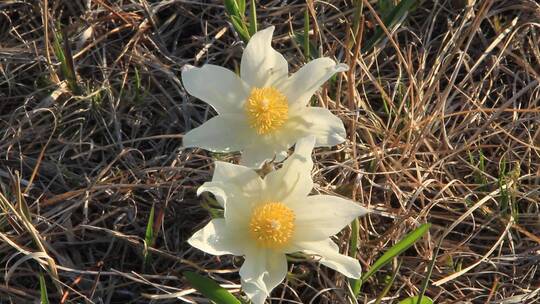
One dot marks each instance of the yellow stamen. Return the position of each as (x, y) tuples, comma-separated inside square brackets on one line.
[(272, 225), (267, 109)]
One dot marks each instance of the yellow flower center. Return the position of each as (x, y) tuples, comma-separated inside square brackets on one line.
[(267, 109), (272, 225)]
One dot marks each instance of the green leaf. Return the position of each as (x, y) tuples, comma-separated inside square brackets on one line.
[(210, 289), (300, 39), (358, 13), (240, 28), (397, 249), (232, 8), (241, 7), (425, 282), (149, 235), (414, 300), (385, 6), (63, 54), (43, 289), (252, 18), (400, 10)]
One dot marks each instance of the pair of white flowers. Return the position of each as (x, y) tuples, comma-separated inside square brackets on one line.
[(263, 113)]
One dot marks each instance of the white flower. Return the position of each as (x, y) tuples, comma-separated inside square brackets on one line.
[(265, 218), (264, 111)]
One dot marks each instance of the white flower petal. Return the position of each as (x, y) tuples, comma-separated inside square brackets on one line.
[(255, 155), (327, 128), (303, 84), (217, 86), (222, 133), (265, 148), (243, 187), (261, 65), (294, 178), (255, 293), (244, 178), (237, 189), (216, 238), (261, 272), (321, 216), (330, 257)]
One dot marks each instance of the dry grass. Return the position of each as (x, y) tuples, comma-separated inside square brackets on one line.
[(444, 125)]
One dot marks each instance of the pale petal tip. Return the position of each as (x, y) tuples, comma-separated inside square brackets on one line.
[(187, 67), (361, 211), (200, 190), (264, 36), (270, 29), (187, 140), (196, 242), (339, 138), (341, 67), (357, 272), (332, 139)]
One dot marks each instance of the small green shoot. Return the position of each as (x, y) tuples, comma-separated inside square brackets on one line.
[(233, 7), (385, 7), (139, 90), (420, 297), (389, 283), (479, 177), (396, 250), (210, 289), (306, 35), (356, 284), (252, 18), (237, 11), (416, 300), (149, 237), (211, 205), (43, 289), (504, 195), (358, 14), (63, 54), (390, 20)]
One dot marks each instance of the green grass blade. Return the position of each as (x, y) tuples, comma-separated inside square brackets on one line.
[(358, 13), (232, 8), (385, 7), (397, 249), (210, 289), (389, 284), (241, 7), (414, 300), (252, 18), (149, 236), (240, 28), (306, 35), (403, 7), (63, 54), (428, 275), (43, 289), (356, 284)]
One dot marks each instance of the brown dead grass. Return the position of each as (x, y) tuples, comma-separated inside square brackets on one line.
[(443, 117)]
